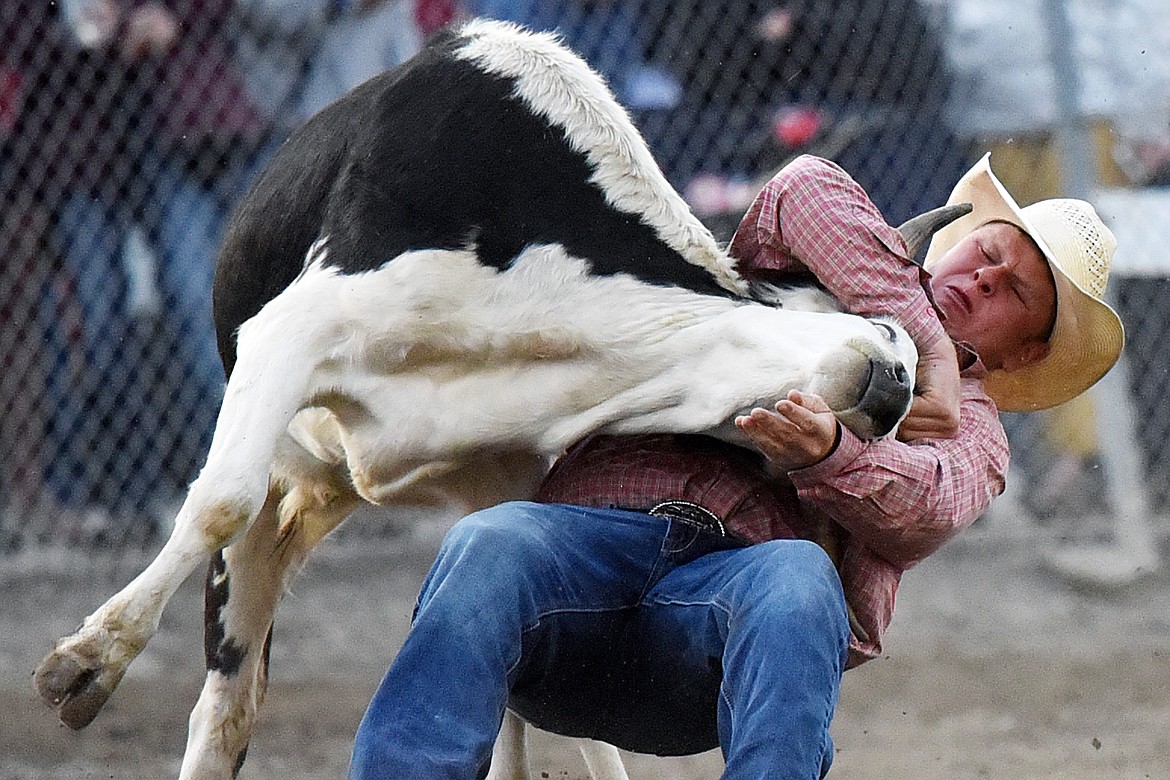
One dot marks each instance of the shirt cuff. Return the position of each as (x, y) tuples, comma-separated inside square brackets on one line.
[(849, 448)]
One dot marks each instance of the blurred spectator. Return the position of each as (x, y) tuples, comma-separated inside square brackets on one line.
[(863, 82), (134, 126), (27, 273), (31, 286), (609, 34), (303, 54), (433, 15)]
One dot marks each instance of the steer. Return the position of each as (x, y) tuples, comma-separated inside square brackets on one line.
[(440, 282)]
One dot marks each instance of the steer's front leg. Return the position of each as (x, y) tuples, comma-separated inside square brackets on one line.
[(83, 670), (269, 384)]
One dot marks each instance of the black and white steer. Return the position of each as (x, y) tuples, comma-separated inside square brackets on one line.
[(440, 281)]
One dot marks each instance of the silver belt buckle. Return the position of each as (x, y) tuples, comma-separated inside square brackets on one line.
[(690, 513)]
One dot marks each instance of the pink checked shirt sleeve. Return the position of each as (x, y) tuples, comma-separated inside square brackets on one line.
[(896, 503), (903, 501), (813, 217)]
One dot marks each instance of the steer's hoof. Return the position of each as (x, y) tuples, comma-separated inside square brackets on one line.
[(75, 686)]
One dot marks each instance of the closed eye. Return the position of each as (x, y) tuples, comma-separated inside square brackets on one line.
[(891, 334)]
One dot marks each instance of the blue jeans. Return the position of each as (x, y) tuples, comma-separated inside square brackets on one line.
[(620, 626)]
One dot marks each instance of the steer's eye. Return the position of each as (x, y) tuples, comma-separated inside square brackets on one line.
[(891, 334)]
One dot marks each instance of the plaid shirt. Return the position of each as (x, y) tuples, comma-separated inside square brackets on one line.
[(878, 506)]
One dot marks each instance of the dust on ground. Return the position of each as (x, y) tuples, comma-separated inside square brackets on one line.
[(995, 669)]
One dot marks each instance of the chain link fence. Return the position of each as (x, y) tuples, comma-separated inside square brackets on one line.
[(129, 129)]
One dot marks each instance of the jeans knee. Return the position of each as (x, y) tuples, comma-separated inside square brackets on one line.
[(813, 559), (502, 530), (496, 566), (798, 582), (498, 548)]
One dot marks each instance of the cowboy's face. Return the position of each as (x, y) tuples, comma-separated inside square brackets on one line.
[(997, 293)]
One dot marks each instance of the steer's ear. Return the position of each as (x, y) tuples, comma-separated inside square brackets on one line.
[(916, 231)]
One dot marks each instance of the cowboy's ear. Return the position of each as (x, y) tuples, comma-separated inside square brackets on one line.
[(1032, 352)]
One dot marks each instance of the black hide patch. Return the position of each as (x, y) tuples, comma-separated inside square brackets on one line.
[(221, 652)]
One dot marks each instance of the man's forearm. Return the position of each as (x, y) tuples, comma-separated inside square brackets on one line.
[(904, 501)]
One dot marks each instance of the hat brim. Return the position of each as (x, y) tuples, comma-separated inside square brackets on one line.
[(1087, 336)]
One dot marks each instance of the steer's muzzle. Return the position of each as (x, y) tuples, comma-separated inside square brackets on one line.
[(869, 381), (887, 397), (883, 399)]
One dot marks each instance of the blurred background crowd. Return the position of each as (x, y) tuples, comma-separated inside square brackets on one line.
[(128, 129)]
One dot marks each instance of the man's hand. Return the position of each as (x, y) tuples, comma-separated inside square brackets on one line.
[(800, 432), (935, 410)]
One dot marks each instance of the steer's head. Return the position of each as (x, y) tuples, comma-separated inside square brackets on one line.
[(869, 383)]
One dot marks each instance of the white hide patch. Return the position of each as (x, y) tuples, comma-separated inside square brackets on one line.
[(560, 86)]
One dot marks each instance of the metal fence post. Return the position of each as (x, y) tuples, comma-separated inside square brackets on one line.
[(1133, 551)]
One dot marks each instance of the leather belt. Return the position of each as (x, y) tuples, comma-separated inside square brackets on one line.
[(691, 514)]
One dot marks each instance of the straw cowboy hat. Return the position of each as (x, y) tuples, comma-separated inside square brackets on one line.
[(1088, 336)]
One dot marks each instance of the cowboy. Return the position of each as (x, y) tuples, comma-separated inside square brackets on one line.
[(663, 593)]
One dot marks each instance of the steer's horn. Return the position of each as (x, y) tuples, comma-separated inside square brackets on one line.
[(916, 231)]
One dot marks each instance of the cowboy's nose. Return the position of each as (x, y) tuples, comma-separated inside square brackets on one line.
[(986, 280)]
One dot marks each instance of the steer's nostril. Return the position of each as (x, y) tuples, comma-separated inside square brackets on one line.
[(896, 374)]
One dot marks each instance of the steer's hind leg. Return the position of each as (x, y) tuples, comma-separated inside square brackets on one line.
[(244, 583)]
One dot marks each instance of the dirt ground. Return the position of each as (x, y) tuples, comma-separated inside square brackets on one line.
[(995, 669)]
